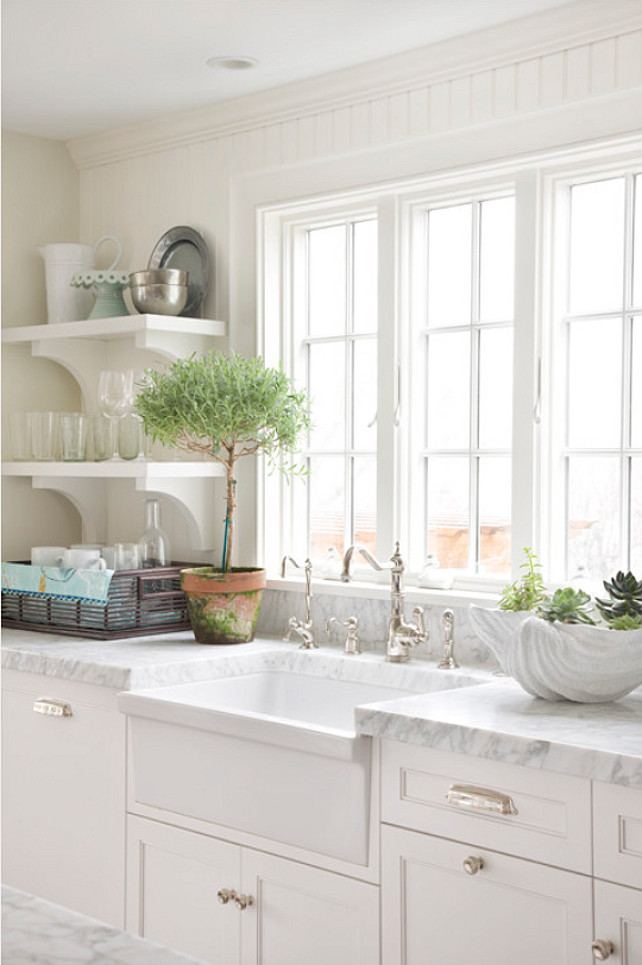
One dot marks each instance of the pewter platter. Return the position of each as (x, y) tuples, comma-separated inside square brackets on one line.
[(183, 247)]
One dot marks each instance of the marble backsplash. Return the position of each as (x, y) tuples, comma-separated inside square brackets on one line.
[(373, 614)]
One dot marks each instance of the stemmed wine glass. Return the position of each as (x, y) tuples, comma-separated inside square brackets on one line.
[(116, 398)]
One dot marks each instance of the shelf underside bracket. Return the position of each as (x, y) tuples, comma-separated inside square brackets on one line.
[(82, 357), (165, 343), (89, 498), (196, 500)]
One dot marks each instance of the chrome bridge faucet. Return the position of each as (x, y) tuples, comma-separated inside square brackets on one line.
[(302, 628), (401, 635)]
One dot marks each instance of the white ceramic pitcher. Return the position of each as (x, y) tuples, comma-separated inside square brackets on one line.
[(64, 303)]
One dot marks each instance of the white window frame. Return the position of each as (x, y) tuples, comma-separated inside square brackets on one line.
[(533, 181), (555, 450)]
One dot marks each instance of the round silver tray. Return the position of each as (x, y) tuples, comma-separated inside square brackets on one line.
[(183, 247)]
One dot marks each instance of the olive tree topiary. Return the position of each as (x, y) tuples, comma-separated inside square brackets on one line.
[(228, 407)]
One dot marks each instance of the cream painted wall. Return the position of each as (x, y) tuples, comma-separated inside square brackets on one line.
[(40, 204)]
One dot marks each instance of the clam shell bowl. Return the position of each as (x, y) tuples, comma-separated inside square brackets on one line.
[(562, 661)]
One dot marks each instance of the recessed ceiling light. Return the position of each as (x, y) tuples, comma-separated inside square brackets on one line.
[(232, 63)]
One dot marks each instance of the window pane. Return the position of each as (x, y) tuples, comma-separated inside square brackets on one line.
[(365, 501), (593, 516), (449, 391), (494, 514), (595, 381), (636, 517), (326, 484), (449, 265), (597, 246), (365, 394), (636, 385), (448, 514), (327, 280), (327, 394), (495, 388), (497, 260), (637, 244), (365, 277)]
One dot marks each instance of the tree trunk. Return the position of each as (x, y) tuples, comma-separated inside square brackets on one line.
[(229, 517)]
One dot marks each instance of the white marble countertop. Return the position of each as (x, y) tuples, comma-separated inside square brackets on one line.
[(36, 931), (495, 719)]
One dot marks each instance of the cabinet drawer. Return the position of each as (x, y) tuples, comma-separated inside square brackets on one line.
[(424, 790), (617, 835)]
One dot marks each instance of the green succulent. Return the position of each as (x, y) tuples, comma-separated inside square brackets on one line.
[(625, 600), (567, 605), (627, 622), (527, 592)]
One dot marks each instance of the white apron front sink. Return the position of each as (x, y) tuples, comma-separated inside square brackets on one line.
[(272, 752)]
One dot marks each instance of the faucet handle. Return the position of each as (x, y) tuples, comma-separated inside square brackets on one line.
[(422, 632), (353, 645)]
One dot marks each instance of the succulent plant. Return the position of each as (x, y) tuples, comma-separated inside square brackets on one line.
[(566, 605), (626, 622), (527, 592), (625, 600)]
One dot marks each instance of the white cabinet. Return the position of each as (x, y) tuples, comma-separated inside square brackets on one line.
[(63, 794), (618, 924), (131, 341), (508, 911), (293, 913)]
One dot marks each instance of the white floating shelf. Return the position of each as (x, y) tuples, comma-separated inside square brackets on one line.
[(120, 327), (128, 341), (145, 470)]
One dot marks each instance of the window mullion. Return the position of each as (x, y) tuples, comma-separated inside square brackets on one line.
[(473, 455)]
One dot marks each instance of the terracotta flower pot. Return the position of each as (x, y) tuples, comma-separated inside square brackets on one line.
[(223, 607)]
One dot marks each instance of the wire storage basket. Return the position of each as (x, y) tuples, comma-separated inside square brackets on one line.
[(139, 602)]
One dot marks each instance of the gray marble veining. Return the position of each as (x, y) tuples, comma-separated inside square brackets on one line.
[(36, 932), (500, 722)]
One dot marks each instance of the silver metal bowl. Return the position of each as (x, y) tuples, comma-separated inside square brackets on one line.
[(159, 276), (159, 299)]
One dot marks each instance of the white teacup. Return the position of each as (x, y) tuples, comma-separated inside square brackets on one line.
[(82, 559), (46, 555)]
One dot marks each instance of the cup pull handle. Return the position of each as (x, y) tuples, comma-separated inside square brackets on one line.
[(52, 707), (480, 799)]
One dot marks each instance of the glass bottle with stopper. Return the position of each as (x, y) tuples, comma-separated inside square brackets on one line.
[(153, 544)]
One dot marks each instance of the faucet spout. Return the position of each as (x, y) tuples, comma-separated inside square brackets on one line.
[(346, 575)]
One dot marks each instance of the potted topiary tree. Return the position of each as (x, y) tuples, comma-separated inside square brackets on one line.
[(227, 407)]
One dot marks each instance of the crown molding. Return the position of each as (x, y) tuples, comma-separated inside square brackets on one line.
[(572, 25)]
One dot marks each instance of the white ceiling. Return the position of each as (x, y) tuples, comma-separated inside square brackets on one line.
[(76, 67)]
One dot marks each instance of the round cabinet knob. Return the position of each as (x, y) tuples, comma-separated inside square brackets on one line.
[(602, 949), (225, 894), (473, 864), (243, 901)]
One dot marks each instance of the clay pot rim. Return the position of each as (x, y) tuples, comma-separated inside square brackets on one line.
[(210, 579)]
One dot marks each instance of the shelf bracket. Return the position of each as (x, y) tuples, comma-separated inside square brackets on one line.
[(164, 343), (80, 356), (88, 497), (196, 500)]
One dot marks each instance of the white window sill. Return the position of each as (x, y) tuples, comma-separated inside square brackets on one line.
[(373, 591)]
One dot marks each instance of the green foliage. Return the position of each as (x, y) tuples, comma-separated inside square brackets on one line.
[(625, 601), (626, 622), (226, 406), (567, 605), (527, 592)]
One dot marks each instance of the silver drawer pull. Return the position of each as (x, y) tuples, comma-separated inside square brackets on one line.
[(53, 707), (480, 799), (473, 864)]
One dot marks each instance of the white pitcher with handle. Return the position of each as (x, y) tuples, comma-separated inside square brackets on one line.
[(64, 303)]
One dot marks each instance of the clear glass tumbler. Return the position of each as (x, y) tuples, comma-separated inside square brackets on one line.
[(73, 431), (45, 435), (20, 425), (103, 437)]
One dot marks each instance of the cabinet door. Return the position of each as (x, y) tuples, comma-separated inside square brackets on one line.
[(509, 911), (304, 916), (63, 798), (173, 880), (618, 919)]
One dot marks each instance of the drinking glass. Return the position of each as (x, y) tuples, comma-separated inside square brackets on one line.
[(21, 448), (130, 436), (126, 556), (103, 437), (45, 429), (73, 426), (116, 397)]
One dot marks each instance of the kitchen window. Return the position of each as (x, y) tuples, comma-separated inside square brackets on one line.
[(597, 436), (473, 349)]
